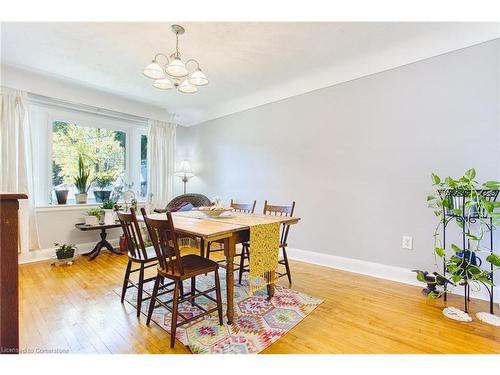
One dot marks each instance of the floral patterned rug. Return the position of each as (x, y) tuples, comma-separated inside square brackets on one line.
[(257, 322)]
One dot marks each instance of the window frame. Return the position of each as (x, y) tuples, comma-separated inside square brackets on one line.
[(133, 131)]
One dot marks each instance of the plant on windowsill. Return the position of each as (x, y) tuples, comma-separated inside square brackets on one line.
[(472, 207), (82, 182), (62, 194), (103, 181), (93, 216), (65, 251)]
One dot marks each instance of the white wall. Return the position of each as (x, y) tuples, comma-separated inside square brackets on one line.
[(357, 156)]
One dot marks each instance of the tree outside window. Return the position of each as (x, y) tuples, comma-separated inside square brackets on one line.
[(103, 151)]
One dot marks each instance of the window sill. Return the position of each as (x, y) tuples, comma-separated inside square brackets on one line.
[(73, 207)]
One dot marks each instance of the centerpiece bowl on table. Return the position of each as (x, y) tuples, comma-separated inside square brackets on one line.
[(213, 211)]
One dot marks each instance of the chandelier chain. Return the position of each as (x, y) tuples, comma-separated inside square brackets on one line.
[(177, 45)]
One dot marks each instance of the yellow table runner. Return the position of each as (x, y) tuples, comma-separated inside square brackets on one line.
[(264, 240)]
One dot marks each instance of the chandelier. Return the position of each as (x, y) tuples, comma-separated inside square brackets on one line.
[(175, 73)]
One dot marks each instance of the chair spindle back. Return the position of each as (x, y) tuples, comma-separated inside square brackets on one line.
[(287, 211), (247, 208), (132, 232), (164, 238)]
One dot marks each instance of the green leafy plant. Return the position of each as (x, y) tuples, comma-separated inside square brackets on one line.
[(81, 180), (105, 179), (471, 207), (97, 212), (108, 205), (64, 251)]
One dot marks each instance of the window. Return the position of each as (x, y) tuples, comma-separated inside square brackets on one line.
[(113, 149), (103, 152), (144, 165)]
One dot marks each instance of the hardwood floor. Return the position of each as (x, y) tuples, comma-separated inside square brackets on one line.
[(74, 308)]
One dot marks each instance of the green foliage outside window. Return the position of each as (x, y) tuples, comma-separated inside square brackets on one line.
[(103, 151)]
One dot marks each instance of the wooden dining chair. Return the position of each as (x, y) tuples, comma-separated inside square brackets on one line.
[(247, 208), (138, 253), (285, 228), (173, 266)]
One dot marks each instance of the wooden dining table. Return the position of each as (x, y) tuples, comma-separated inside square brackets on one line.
[(196, 224)]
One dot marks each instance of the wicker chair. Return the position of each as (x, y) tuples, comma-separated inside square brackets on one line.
[(197, 200)]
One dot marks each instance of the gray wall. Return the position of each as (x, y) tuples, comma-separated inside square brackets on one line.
[(357, 157)]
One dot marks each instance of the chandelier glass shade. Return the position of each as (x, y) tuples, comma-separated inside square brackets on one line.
[(198, 78), (154, 71), (163, 84), (176, 68), (187, 88), (174, 72)]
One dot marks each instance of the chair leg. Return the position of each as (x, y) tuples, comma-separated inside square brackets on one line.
[(139, 292), (202, 248), (242, 263), (152, 301), (193, 288), (287, 266), (181, 289), (175, 307), (219, 297), (125, 280), (208, 250)]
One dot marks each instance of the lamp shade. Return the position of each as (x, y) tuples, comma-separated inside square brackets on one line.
[(154, 71), (198, 78), (184, 169), (163, 84), (176, 68), (187, 88)]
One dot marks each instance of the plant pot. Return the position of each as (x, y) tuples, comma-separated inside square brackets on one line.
[(458, 202), (81, 198), (91, 220), (66, 254), (102, 195), (62, 196), (108, 217)]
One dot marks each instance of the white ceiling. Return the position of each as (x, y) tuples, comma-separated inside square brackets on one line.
[(248, 64)]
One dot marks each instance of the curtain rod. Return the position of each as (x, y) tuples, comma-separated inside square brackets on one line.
[(46, 100)]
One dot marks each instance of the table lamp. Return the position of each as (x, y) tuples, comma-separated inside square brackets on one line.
[(184, 172)]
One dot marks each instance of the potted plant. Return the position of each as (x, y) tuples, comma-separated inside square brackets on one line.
[(93, 216), (107, 207), (472, 207), (82, 183), (103, 181), (65, 251), (62, 195)]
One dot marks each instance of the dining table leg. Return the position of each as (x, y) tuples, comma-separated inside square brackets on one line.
[(230, 250), (270, 287)]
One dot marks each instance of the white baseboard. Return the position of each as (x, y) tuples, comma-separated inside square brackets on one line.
[(378, 270), (45, 254)]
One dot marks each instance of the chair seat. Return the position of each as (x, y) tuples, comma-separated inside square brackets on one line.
[(150, 255), (193, 265)]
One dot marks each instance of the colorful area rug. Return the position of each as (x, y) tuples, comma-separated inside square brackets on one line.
[(257, 322)]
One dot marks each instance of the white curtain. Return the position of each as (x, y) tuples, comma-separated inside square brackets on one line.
[(161, 161), (16, 168)]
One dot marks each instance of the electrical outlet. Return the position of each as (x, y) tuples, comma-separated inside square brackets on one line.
[(407, 242)]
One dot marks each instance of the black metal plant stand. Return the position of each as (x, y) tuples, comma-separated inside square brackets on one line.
[(468, 215)]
